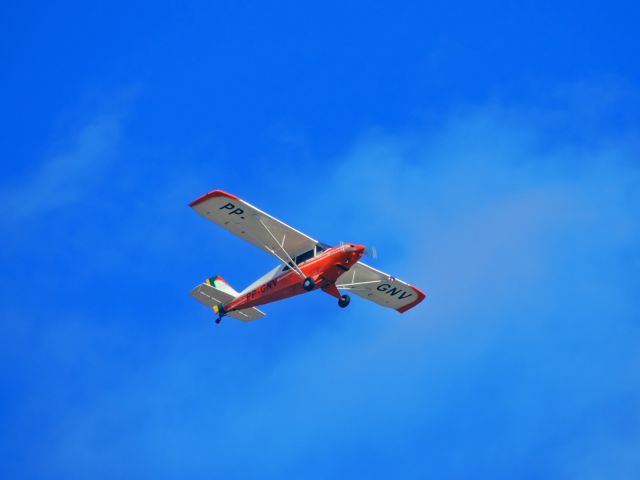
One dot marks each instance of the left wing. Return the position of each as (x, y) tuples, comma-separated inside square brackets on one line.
[(253, 225), (380, 287)]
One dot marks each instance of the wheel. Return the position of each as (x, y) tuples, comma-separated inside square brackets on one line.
[(218, 320), (308, 284), (344, 301)]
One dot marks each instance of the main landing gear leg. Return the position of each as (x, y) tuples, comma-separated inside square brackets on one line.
[(331, 289)]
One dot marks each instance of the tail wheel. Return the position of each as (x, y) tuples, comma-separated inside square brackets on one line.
[(344, 301), (219, 309), (308, 284)]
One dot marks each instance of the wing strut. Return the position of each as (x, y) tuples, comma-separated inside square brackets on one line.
[(350, 286), (353, 285), (291, 263)]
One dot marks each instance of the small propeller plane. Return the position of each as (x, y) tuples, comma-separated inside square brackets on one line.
[(307, 265)]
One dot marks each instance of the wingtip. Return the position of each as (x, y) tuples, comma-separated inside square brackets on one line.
[(421, 297), (212, 194)]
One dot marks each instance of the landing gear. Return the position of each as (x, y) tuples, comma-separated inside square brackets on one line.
[(344, 301), (308, 284), (219, 309)]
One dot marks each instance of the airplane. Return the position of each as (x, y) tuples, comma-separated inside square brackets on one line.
[(306, 265)]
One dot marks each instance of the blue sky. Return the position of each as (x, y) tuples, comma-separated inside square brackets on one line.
[(490, 153)]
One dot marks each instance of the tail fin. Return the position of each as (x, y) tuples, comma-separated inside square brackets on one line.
[(221, 284), (215, 291)]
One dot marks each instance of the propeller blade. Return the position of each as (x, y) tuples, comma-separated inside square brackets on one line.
[(371, 252)]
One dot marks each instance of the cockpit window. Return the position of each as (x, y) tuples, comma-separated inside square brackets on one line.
[(321, 247), (303, 257)]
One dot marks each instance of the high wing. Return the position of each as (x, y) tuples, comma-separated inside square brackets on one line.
[(380, 287), (253, 225)]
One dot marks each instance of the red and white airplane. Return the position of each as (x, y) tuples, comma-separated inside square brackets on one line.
[(307, 265)]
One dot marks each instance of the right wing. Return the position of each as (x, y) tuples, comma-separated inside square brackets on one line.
[(380, 287), (253, 225)]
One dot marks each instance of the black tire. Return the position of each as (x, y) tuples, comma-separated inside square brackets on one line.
[(308, 284), (344, 301)]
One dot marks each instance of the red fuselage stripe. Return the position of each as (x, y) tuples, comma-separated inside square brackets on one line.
[(323, 269)]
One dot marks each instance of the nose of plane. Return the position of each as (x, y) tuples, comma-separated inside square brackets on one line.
[(358, 249)]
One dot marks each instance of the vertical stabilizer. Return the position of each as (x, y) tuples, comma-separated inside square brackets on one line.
[(221, 284)]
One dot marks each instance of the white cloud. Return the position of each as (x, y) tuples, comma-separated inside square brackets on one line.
[(526, 316), (65, 177), (499, 232)]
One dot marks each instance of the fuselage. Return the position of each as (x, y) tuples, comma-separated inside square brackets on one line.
[(324, 269)]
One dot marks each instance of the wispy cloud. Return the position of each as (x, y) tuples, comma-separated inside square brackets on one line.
[(66, 176), (522, 248), (527, 335)]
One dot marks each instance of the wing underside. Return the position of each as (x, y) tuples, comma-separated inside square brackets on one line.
[(379, 287), (253, 225)]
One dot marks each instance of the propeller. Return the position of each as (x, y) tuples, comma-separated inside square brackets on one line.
[(371, 252)]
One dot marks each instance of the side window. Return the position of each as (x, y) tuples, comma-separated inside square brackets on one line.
[(304, 257), (321, 247)]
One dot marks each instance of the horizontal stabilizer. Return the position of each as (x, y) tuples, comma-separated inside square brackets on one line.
[(216, 291), (247, 315)]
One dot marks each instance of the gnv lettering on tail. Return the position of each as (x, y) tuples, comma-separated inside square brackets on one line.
[(234, 210), (393, 291)]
